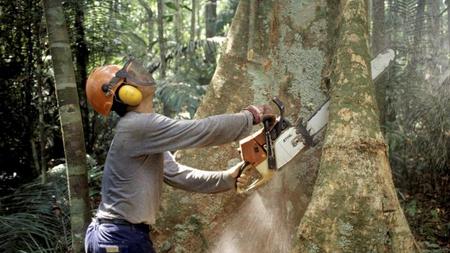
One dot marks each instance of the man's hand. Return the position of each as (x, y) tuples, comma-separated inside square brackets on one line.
[(261, 112), (241, 180)]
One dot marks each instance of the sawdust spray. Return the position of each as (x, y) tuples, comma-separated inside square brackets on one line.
[(260, 225)]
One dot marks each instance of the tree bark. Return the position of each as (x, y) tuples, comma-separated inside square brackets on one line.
[(70, 117), (210, 18), (161, 40), (435, 50), (178, 29), (448, 23), (210, 27), (354, 206), (81, 60)]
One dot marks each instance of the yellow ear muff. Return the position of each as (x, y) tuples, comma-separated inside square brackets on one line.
[(130, 95)]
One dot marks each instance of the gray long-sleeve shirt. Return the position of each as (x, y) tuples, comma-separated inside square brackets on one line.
[(138, 161)]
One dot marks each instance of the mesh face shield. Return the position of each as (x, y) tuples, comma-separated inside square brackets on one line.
[(134, 73)]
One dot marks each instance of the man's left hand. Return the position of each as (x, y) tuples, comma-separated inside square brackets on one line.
[(242, 179)]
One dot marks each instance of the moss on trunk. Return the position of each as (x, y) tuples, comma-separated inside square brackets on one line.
[(354, 207)]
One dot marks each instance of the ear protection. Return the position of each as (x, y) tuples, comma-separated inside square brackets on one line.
[(130, 95)]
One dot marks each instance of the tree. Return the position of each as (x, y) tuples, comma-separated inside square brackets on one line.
[(292, 50), (82, 59), (210, 26), (354, 206), (447, 2), (418, 31), (193, 22), (379, 32), (70, 117), (161, 40)]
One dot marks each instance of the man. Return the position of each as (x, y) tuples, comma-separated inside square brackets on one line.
[(139, 160)]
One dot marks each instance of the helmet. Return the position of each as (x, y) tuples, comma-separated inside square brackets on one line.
[(103, 82), (100, 100)]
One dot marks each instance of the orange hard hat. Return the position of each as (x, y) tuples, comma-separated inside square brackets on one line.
[(98, 95), (103, 83)]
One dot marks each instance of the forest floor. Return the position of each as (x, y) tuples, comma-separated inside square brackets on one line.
[(428, 214)]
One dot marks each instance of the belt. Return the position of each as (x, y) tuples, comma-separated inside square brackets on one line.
[(139, 226)]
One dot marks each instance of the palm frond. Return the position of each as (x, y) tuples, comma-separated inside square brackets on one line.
[(32, 219)]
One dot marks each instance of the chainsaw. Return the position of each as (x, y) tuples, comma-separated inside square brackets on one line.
[(277, 143)]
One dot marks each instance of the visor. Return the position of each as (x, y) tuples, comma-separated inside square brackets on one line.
[(134, 73)]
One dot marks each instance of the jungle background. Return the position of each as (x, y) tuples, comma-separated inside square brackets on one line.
[(182, 46)]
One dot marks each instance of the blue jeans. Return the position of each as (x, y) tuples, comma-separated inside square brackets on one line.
[(111, 238)]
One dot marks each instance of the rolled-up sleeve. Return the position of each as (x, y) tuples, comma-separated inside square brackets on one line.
[(190, 179)]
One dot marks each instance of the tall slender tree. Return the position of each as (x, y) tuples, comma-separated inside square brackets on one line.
[(418, 32), (161, 40), (70, 117), (178, 28), (210, 27), (81, 60), (379, 33), (193, 22), (447, 2)]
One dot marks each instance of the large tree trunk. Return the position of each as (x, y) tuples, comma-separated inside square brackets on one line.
[(70, 117), (273, 48), (281, 48), (354, 206)]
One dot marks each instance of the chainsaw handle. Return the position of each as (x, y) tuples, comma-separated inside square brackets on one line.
[(280, 105), (257, 176), (244, 167)]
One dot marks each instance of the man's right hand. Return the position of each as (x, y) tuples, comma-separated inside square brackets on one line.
[(260, 112)]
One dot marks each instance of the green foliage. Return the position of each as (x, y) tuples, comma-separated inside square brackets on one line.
[(417, 94), (35, 217), (417, 118), (26, 90), (179, 99)]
